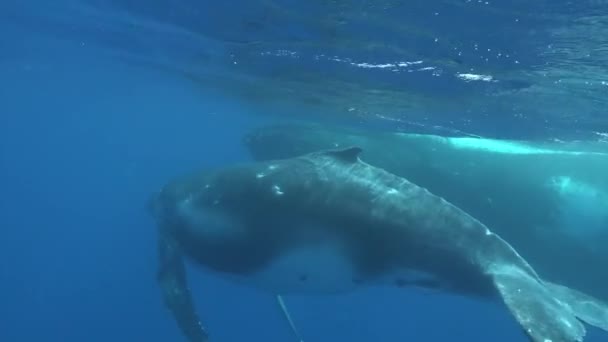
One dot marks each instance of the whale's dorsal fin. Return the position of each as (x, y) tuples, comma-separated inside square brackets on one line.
[(349, 155)]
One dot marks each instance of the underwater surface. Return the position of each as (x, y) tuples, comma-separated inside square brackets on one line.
[(499, 107)]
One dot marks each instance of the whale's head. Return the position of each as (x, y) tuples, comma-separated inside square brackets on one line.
[(193, 207), (208, 220)]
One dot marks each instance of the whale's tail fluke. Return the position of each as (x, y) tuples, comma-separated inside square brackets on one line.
[(586, 308), (547, 312)]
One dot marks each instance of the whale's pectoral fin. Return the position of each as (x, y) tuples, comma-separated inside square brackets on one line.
[(288, 318), (174, 287), (542, 316)]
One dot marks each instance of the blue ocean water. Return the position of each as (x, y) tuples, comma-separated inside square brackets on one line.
[(102, 102)]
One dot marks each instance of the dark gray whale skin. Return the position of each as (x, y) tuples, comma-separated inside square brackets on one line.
[(237, 220), (513, 192)]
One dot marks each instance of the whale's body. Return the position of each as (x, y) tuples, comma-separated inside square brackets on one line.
[(548, 194), (326, 222)]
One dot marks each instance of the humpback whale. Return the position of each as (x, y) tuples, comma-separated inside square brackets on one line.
[(327, 222), (564, 185)]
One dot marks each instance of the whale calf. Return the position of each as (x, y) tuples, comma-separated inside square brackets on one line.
[(327, 222)]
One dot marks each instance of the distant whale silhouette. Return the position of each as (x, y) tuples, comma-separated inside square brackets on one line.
[(327, 222)]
